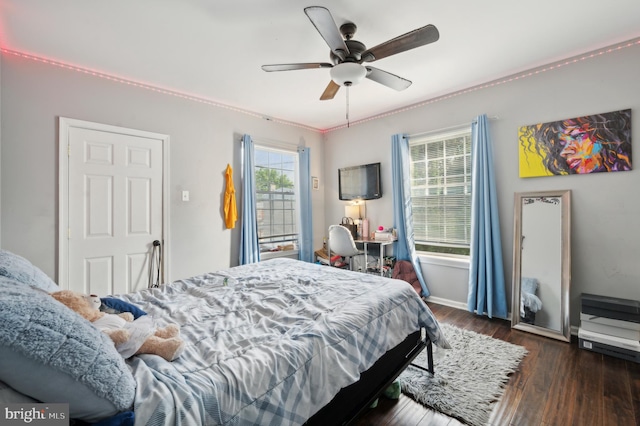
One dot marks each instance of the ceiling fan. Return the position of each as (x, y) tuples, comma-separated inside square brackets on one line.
[(348, 55)]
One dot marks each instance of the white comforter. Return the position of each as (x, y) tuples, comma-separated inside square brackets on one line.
[(269, 343)]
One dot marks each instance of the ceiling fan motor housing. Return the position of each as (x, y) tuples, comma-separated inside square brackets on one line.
[(355, 52)]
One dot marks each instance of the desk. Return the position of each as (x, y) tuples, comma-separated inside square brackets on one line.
[(365, 241)]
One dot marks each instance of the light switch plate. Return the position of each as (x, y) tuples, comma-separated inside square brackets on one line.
[(185, 195)]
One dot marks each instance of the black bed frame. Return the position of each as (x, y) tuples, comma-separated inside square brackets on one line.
[(354, 399)]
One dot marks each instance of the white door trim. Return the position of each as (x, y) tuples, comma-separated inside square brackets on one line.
[(65, 124)]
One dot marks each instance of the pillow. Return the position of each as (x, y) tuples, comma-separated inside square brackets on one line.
[(52, 354), (21, 270), (121, 306), (8, 395)]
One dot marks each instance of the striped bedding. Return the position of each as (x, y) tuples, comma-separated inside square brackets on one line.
[(269, 343)]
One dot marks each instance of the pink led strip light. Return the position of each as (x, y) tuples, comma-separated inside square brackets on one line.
[(146, 86), (550, 67), (530, 73)]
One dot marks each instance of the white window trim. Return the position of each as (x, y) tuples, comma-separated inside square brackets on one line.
[(444, 259), (266, 255), (436, 135)]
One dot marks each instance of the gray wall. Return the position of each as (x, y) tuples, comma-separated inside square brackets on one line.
[(204, 139), (605, 229), (605, 206), (0, 150)]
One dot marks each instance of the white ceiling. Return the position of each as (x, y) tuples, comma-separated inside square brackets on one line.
[(213, 49)]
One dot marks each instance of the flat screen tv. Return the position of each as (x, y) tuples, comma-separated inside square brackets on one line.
[(360, 182)]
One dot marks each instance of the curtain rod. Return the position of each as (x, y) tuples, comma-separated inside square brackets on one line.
[(446, 129)]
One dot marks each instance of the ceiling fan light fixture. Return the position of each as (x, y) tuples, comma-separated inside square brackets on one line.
[(348, 73)]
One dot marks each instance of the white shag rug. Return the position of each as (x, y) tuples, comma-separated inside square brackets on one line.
[(469, 378)]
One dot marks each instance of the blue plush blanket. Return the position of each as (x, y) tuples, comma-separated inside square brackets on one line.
[(37, 328)]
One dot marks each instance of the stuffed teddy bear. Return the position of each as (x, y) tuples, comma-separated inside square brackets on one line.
[(131, 337)]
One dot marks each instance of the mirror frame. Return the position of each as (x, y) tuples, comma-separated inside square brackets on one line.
[(565, 238)]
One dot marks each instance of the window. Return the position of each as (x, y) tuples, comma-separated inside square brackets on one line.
[(276, 198), (440, 176)]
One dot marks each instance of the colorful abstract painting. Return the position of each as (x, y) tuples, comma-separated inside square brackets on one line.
[(589, 144)]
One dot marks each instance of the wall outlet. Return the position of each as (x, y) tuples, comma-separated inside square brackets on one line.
[(185, 195)]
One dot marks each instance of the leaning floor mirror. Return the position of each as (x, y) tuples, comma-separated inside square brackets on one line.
[(542, 263)]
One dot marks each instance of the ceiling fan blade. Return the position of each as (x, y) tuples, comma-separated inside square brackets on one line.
[(290, 67), (411, 40), (387, 79), (330, 91), (325, 24)]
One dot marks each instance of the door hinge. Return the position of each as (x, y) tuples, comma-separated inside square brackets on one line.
[(68, 233), (68, 150)]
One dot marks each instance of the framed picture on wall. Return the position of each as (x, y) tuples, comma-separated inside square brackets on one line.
[(581, 145), (315, 182)]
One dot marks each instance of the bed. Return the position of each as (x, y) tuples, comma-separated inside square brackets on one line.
[(278, 342)]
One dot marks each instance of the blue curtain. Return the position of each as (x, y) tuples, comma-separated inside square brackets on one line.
[(306, 220), (486, 271), (402, 211), (249, 247)]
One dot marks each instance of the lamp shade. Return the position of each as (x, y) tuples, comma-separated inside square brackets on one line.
[(352, 211), (348, 73)]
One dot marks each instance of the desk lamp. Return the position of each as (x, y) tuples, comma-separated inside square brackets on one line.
[(354, 212)]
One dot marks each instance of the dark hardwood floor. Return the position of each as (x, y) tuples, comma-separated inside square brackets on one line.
[(557, 384)]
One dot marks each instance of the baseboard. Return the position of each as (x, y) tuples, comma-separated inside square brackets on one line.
[(447, 302), (463, 306), (457, 305)]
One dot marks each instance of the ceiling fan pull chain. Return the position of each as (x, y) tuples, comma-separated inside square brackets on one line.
[(348, 125)]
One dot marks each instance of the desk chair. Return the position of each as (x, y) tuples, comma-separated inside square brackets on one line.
[(341, 243)]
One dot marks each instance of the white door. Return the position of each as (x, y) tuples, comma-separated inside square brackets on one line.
[(115, 207)]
